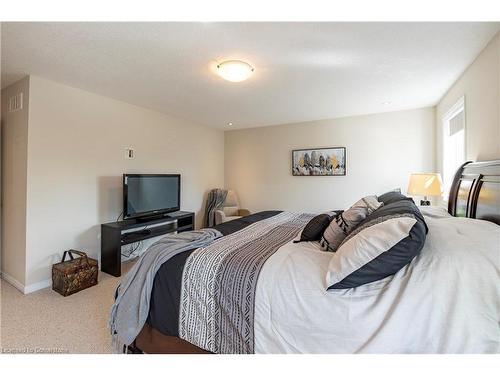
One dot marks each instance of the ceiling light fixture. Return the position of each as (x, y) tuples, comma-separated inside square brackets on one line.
[(230, 123), (234, 70)]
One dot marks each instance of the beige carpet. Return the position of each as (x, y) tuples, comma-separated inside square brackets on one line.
[(45, 321)]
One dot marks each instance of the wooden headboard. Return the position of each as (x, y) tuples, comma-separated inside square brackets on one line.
[(475, 191)]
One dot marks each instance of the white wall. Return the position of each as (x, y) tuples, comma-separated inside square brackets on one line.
[(480, 84), (76, 147), (382, 151), (14, 167), (63, 156)]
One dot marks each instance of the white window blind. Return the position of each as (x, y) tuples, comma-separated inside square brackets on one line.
[(453, 143), (457, 123)]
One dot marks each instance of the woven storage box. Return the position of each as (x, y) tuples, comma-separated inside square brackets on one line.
[(71, 276)]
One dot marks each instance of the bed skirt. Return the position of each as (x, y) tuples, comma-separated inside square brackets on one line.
[(152, 341)]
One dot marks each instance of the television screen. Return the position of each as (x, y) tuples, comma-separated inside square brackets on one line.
[(145, 194)]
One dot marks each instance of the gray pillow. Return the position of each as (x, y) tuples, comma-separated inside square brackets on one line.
[(347, 221), (391, 197)]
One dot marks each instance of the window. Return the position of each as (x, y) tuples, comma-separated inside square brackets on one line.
[(453, 143)]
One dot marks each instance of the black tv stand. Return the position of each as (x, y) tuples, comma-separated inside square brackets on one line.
[(143, 219), (116, 234)]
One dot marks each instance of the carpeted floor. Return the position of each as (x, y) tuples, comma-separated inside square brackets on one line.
[(45, 321)]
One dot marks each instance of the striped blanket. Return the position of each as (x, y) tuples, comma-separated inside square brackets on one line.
[(219, 283)]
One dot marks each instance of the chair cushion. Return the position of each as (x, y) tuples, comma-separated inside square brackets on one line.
[(231, 210), (231, 199)]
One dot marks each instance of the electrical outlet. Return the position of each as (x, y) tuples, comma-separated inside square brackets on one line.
[(129, 153)]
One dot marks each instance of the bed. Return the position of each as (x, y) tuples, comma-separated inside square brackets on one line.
[(447, 300)]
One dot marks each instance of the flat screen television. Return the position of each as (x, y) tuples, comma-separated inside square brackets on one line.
[(150, 194)]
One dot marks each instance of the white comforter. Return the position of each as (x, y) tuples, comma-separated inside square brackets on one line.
[(447, 300)]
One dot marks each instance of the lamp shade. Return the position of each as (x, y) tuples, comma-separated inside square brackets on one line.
[(425, 184)]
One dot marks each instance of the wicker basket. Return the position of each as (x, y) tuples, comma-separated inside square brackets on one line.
[(71, 276)]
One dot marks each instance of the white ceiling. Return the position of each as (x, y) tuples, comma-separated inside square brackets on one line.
[(303, 71)]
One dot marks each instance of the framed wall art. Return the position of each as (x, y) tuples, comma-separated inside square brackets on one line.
[(328, 161)]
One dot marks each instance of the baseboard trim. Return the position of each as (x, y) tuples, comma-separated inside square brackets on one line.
[(37, 286), (25, 289), (14, 282)]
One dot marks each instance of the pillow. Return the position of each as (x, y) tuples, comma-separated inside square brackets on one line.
[(345, 222), (334, 213), (436, 212), (364, 247), (315, 228), (395, 258), (392, 196)]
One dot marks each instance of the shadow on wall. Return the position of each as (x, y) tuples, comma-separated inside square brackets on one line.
[(109, 198), (109, 207), (90, 242)]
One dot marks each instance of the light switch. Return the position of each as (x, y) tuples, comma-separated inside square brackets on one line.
[(129, 153)]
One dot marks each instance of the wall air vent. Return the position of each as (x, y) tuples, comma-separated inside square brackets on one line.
[(16, 102)]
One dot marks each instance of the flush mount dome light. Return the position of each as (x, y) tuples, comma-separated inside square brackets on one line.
[(234, 70)]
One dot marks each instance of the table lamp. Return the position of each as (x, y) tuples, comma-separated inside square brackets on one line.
[(426, 185)]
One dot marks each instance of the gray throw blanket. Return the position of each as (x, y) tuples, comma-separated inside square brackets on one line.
[(131, 307), (220, 280), (215, 200)]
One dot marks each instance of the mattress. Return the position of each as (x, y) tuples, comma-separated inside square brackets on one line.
[(447, 300)]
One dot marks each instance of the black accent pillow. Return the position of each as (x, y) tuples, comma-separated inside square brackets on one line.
[(392, 196), (397, 256), (314, 228)]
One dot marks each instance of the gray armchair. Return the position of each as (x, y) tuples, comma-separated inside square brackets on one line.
[(230, 210)]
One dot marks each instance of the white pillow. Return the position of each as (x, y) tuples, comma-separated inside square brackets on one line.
[(435, 212), (366, 246)]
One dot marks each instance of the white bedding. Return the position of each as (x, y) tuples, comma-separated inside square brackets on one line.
[(447, 300)]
